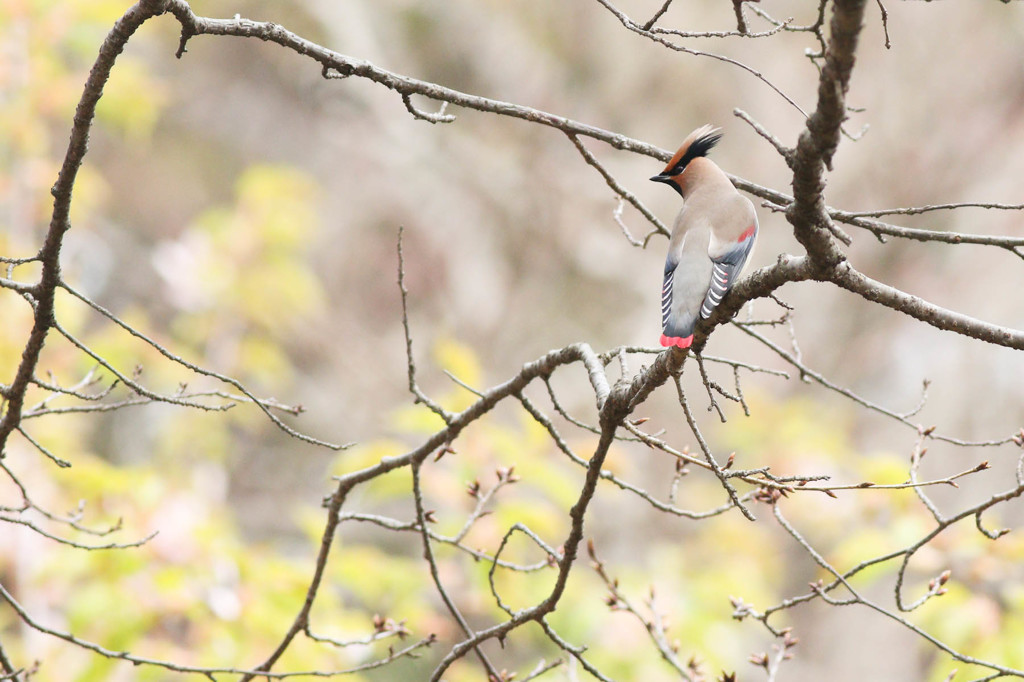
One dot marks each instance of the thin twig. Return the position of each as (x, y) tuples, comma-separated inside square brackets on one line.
[(263, 405), (709, 456), (414, 388), (438, 117), (653, 624), (428, 556), (809, 373), (623, 193)]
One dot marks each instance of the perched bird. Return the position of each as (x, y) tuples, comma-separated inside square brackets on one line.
[(712, 237)]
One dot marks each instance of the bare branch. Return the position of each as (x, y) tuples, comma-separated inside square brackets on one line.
[(420, 396), (543, 420), (263, 405), (438, 117), (62, 463), (200, 670), (857, 598), (647, 33), (552, 558), (542, 668), (657, 15), (654, 624), (412, 526), (850, 279), (785, 152), (71, 543), (820, 138), (619, 189), (710, 457), (575, 651), (49, 254), (428, 556), (193, 25), (917, 210), (19, 287), (885, 23), (741, 22), (881, 229), (8, 669), (807, 372)]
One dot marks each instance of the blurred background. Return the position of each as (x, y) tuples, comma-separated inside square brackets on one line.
[(244, 212)]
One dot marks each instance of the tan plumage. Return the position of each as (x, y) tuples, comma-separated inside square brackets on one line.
[(712, 238)]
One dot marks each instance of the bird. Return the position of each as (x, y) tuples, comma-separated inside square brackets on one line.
[(711, 240)]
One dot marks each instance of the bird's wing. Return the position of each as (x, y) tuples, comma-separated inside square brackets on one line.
[(666, 294), (727, 266)]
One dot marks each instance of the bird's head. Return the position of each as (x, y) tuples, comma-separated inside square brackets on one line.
[(695, 146)]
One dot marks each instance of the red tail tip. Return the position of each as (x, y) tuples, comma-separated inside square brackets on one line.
[(669, 341)]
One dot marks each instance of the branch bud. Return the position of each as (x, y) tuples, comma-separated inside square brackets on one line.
[(760, 659)]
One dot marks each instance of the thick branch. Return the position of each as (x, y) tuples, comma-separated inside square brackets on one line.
[(941, 318), (820, 138)]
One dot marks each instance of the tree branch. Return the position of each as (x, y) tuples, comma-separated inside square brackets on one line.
[(820, 138), (940, 318), (49, 254)]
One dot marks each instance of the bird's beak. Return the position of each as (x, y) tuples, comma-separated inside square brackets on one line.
[(669, 180)]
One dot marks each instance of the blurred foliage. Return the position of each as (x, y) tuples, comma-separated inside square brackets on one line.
[(48, 47), (249, 259)]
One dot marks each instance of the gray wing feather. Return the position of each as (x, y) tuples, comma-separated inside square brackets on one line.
[(726, 269), (666, 297)]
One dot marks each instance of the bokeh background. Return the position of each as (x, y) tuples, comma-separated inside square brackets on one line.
[(244, 211)]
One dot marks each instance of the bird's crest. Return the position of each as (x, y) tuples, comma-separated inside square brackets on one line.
[(698, 143)]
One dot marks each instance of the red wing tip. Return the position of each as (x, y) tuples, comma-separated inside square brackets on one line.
[(669, 341)]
